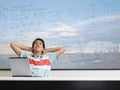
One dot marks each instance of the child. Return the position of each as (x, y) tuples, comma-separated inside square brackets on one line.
[(41, 58)]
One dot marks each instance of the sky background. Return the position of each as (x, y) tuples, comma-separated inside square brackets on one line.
[(79, 25)]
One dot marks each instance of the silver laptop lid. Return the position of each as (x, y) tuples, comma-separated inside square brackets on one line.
[(20, 67)]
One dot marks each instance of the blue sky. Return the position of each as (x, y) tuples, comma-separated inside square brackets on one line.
[(74, 24)]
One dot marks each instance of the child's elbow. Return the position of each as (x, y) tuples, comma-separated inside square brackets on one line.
[(11, 44)]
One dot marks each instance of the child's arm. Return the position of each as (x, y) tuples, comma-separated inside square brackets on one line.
[(17, 48), (59, 50)]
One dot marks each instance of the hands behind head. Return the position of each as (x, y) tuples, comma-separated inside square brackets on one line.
[(44, 50)]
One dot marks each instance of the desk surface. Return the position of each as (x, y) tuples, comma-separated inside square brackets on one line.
[(71, 75), (95, 78)]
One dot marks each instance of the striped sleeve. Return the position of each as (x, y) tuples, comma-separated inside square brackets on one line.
[(23, 54)]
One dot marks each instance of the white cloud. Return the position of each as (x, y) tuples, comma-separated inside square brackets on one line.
[(63, 28), (67, 34), (103, 19), (54, 31)]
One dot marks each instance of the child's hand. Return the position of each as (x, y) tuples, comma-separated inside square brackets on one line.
[(44, 51)]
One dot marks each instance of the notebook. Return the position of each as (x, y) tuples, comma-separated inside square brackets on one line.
[(20, 67)]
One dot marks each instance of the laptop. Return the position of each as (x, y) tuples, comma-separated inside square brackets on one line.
[(20, 67)]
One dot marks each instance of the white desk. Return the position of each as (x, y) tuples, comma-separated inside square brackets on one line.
[(74, 75)]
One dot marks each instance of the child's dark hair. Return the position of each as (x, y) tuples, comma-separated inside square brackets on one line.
[(40, 40)]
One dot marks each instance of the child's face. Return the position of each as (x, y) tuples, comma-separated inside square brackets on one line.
[(38, 46)]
